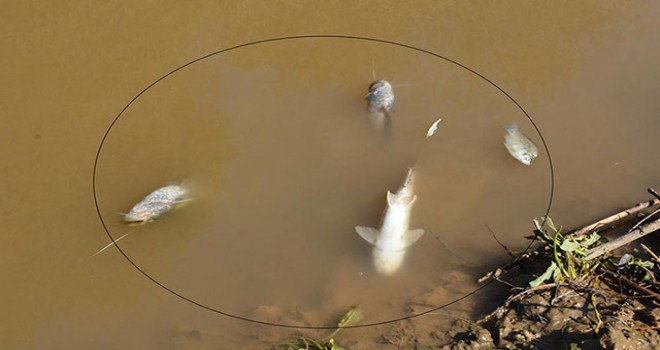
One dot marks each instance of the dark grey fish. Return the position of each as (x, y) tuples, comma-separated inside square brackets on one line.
[(380, 103)]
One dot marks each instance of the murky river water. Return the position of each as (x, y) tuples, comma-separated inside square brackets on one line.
[(272, 140)]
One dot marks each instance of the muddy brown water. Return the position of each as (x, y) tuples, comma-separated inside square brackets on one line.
[(273, 141)]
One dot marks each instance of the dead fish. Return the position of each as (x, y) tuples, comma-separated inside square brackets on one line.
[(518, 145), (393, 238), (157, 203), (380, 103), (152, 207), (380, 97)]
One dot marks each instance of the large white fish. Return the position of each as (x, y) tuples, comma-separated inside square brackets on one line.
[(391, 241)]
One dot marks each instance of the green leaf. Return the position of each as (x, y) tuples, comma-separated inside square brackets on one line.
[(569, 245), (351, 317), (646, 264), (545, 276), (593, 238)]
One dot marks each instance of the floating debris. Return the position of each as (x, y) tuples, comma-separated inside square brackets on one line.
[(434, 127), (518, 145), (157, 203)]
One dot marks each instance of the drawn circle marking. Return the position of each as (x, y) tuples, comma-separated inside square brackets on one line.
[(304, 37)]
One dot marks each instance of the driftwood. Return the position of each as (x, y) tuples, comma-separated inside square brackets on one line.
[(623, 240), (614, 218), (651, 253), (585, 230)]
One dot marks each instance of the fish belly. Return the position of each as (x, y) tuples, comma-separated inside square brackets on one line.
[(389, 249), (387, 262)]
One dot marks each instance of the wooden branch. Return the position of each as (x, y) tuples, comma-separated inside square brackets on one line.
[(632, 285), (616, 217), (654, 192), (651, 253), (623, 240)]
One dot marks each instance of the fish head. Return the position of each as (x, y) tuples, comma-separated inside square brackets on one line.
[(527, 158), (380, 92), (139, 216)]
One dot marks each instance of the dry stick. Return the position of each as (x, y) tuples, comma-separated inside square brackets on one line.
[(614, 218), (499, 312), (506, 249), (632, 285), (623, 240), (651, 253), (654, 192), (610, 219)]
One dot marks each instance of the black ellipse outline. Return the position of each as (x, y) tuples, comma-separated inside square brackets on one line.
[(296, 37)]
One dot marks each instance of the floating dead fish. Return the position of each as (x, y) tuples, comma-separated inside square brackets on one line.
[(152, 207), (380, 103), (391, 241), (157, 203), (518, 145), (380, 97)]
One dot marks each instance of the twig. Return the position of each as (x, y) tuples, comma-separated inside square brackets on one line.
[(623, 240), (651, 253), (444, 246), (506, 249), (645, 219), (112, 243), (632, 285), (614, 218), (512, 264), (500, 310), (654, 192)]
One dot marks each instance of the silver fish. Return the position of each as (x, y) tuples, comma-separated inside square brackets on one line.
[(157, 203), (518, 145), (394, 237), (380, 103)]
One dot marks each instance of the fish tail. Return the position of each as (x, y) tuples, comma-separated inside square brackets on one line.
[(510, 128)]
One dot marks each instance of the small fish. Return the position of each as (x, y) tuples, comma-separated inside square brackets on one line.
[(380, 97), (157, 203), (518, 145), (380, 103), (391, 241), (434, 127)]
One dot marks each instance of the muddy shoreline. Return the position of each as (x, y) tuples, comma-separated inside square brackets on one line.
[(605, 303)]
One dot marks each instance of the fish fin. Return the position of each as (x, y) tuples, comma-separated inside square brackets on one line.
[(412, 236), (369, 234), (391, 198), (182, 200)]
